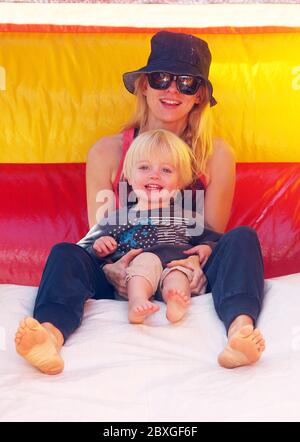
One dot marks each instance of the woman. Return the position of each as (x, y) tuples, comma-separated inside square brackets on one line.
[(174, 93)]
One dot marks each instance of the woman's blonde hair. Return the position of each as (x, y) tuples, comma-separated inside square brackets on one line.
[(158, 143), (197, 134)]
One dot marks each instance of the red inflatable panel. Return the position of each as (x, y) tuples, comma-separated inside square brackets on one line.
[(43, 204), (267, 198)]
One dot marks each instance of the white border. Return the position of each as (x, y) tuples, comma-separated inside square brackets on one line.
[(151, 15)]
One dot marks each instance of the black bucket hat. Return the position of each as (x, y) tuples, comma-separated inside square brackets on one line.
[(178, 54)]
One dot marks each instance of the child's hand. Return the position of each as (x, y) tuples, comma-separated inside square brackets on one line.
[(203, 251), (105, 246)]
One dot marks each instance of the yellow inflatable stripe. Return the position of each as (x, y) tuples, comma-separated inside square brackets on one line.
[(59, 93)]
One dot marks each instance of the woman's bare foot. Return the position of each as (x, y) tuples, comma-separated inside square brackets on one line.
[(40, 345), (139, 310), (177, 304), (244, 347)]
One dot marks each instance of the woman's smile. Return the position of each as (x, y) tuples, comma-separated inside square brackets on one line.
[(170, 103)]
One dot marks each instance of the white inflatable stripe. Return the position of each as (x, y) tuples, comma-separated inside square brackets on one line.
[(152, 15)]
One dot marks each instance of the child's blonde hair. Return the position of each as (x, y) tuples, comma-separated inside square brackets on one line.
[(155, 143), (197, 134)]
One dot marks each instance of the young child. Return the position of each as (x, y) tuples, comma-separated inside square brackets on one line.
[(157, 166)]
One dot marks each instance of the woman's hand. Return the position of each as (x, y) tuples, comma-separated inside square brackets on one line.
[(203, 251), (104, 246), (192, 263), (116, 272)]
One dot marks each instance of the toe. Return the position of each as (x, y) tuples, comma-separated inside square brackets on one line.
[(258, 340), (246, 331), (22, 324), (256, 333), (31, 323)]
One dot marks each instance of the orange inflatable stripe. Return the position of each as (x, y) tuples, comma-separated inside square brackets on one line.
[(11, 27), (58, 97)]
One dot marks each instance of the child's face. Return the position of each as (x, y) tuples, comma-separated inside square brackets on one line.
[(155, 179)]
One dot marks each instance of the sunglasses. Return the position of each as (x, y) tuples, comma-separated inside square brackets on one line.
[(186, 84)]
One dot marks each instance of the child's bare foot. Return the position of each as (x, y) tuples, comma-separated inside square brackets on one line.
[(39, 346), (244, 348), (177, 304), (139, 310)]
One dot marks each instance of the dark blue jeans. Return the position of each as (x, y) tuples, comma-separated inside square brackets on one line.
[(71, 276)]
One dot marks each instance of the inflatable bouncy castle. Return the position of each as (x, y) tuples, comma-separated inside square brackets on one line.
[(61, 89)]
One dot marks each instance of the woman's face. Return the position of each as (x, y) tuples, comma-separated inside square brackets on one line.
[(169, 105)]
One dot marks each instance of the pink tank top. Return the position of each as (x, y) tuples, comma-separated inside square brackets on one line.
[(128, 136)]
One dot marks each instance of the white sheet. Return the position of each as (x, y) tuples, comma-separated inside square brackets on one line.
[(115, 371)]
